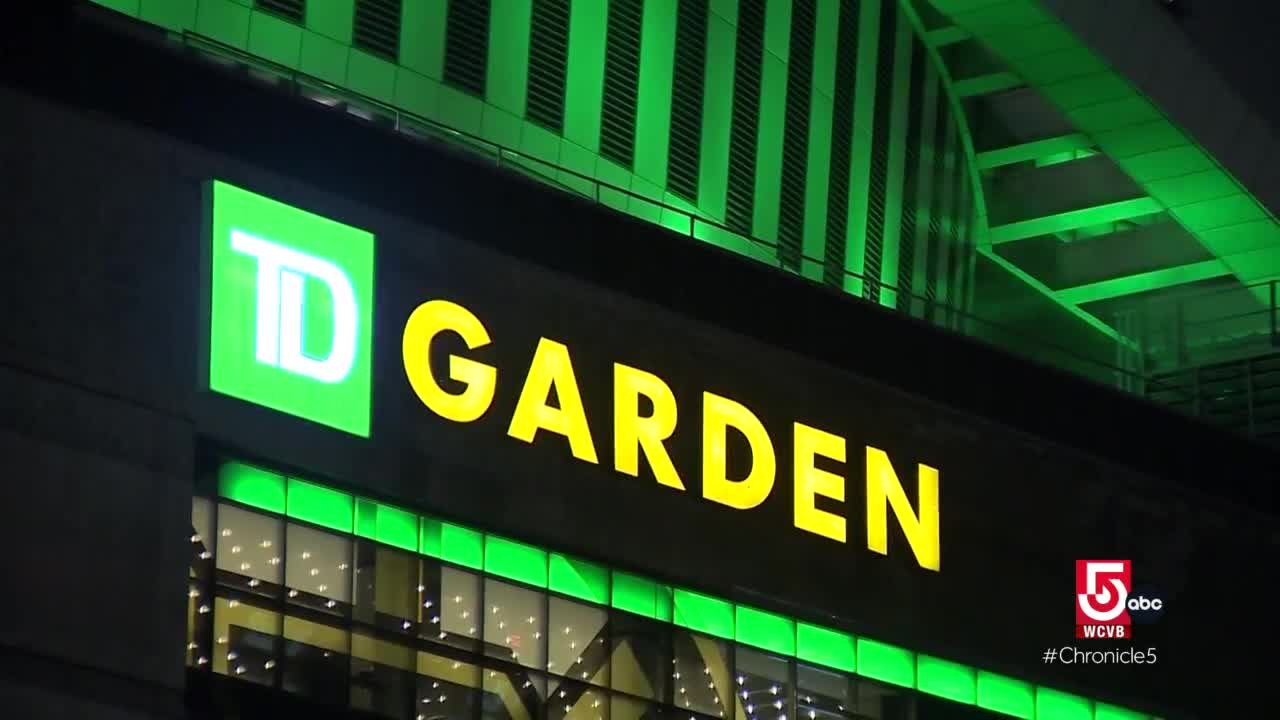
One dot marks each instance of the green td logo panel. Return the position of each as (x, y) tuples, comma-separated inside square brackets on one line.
[(291, 311)]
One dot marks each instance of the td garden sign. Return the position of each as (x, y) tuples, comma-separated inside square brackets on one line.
[(291, 328)]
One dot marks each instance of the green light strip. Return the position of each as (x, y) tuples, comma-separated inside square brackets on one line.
[(948, 36), (589, 582), (898, 124), (987, 84), (1073, 219), (1035, 150), (1144, 282)]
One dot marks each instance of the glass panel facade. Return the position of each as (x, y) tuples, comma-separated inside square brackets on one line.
[(296, 602)]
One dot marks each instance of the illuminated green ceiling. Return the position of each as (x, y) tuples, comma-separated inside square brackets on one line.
[(1110, 113)]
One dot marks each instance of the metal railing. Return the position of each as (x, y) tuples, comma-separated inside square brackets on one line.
[(1207, 327), (685, 221)]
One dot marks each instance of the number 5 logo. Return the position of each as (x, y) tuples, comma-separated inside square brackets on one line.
[(1105, 588)]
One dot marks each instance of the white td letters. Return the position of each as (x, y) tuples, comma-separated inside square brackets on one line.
[(282, 273)]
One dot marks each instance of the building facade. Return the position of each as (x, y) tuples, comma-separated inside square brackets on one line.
[(332, 415)]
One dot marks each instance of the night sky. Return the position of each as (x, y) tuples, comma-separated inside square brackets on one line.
[(1239, 38)]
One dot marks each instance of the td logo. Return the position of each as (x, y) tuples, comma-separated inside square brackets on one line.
[(291, 309)]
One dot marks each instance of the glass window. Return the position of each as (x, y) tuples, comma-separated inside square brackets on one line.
[(386, 588), (577, 642), (512, 693), (823, 694), (450, 605), (515, 624), (318, 569), (640, 661), (625, 707), (248, 551), (383, 677), (448, 689), (701, 674), (572, 700), (245, 640), (315, 663), (763, 685)]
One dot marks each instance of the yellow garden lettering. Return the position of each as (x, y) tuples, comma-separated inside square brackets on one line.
[(636, 436)]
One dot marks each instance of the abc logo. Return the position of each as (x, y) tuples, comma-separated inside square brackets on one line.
[(1143, 604)]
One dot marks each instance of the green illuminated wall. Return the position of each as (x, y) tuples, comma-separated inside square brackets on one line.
[(687, 608), (791, 131)]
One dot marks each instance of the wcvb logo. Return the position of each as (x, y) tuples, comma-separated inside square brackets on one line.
[(1103, 601)]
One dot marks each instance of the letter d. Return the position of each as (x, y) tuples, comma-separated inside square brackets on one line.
[(282, 274)]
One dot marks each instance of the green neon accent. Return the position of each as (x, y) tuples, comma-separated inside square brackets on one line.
[(174, 15), (1102, 711), (717, 112), (703, 613), (987, 84), (429, 540), (514, 560), (320, 505), (1027, 152), (332, 18), (894, 176), (578, 578), (1044, 290), (860, 146), (252, 486), (282, 381), (886, 663), (948, 36), (508, 61), (824, 646), (1218, 213), (1055, 705), (946, 679), (371, 75), (1006, 695), (225, 21), (1064, 157), (422, 26), (275, 39), (462, 546), (641, 596), (631, 593), (386, 524), (1073, 219), (1144, 282), (366, 518), (765, 630), (1166, 163), (584, 73), (818, 165), (773, 117), (653, 97), (323, 57)]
